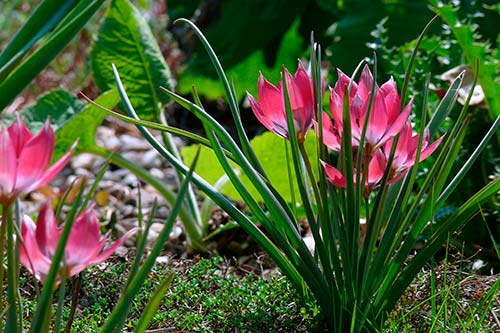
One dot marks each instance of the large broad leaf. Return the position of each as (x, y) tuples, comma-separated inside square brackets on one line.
[(126, 40), (240, 27), (244, 74), (352, 32), (70, 118), (269, 149)]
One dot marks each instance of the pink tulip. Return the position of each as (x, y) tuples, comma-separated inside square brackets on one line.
[(84, 246), (270, 109), (404, 158), (385, 119), (406, 151), (24, 159), (376, 169)]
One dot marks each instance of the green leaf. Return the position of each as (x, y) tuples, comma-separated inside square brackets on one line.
[(70, 118), (475, 49), (244, 26), (269, 149), (15, 77), (126, 40), (153, 304)]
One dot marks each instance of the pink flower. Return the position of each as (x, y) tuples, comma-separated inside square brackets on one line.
[(24, 159), (270, 109), (376, 169), (385, 119), (406, 151), (404, 158), (84, 246)]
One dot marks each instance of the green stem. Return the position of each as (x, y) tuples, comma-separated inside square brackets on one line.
[(3, 232), (189, 222), (168, 141), (290, 178), (12, 269)]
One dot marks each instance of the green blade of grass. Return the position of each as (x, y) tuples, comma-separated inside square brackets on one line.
[(153, 304), (233, 103)]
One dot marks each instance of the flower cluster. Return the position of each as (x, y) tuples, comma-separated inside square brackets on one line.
[(24, 160), (385, 120)]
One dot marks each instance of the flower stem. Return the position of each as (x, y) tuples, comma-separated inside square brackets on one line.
[(76, 286), (3, 232), (12, 269)]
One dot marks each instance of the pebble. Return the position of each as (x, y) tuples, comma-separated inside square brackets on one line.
[(150, 159), (83, 161), (133, 143)]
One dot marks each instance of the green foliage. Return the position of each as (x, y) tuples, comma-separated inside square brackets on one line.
[(47, 31), (252, 36), (126, 40), (470, 34), (242, 27), (70, 118), (269, 149), (205, 295), (289, 50), (475, 50)]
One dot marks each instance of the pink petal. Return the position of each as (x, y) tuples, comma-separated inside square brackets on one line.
[(377, 125), (400, 121), (336, 107), (342, 84), (391, 99), (103, 256), (47, 232), (405, 148), (334, 175), (398, 176), (110, 250), (34, 159), (331, 137), (19, 134), (53, 171), (84, 239), (30, 255), (303, 87), (430, 149), (8, 162), (376, 168), (262, 117), (271, 102), (365, 83)]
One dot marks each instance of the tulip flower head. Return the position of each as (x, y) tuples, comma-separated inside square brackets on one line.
[(83, 248), (24, 160), (270, 108), (404, 158), (405, 154), (385, 119)]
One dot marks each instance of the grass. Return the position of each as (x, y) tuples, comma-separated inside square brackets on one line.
[(207, 295), (210, 295)]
